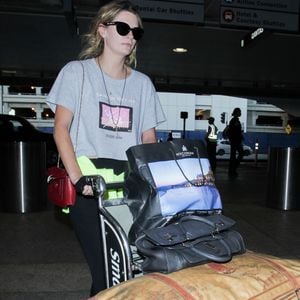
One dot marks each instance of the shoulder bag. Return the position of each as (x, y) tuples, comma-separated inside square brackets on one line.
[(190, 241)]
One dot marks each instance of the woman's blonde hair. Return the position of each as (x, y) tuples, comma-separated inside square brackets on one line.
[(94, 43)]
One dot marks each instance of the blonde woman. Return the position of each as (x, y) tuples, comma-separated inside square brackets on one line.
[(116, 107)]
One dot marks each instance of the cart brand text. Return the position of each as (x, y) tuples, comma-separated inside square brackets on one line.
[(115, 266)]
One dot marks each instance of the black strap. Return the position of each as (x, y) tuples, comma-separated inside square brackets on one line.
[(79, 112), (182, 172)]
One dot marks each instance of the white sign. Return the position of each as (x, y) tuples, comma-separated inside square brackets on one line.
[(183, 11), (259, 18)]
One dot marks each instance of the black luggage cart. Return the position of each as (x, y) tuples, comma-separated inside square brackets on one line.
[(160, 201), (121, 259)]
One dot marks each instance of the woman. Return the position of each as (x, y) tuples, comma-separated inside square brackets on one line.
[(102, 107)]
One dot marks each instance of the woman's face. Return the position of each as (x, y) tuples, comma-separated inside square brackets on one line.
[(115, 42)]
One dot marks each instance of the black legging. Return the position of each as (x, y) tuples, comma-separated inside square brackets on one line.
[(235, 160), (86, 223), (211, 152)]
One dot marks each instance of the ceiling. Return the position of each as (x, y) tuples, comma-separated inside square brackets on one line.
[(39, 36)]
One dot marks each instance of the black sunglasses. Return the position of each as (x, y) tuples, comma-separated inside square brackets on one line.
[(123, 29)]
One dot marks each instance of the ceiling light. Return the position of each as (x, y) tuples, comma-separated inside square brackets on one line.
[(180, 50), (9, 71)]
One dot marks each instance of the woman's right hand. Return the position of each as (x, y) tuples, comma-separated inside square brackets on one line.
[(84, 186)]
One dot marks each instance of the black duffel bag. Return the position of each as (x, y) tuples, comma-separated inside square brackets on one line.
[(190, 241)]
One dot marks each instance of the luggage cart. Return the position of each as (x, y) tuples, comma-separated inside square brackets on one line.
[(189, 190), (121, 259)]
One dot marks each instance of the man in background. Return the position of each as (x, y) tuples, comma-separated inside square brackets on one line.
[(211, 142)]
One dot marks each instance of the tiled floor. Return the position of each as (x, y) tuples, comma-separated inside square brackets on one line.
[(40, 257)]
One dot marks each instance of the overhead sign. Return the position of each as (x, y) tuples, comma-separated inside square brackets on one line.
[(183, 11), (252, 36), (291, 6), (269, 14)]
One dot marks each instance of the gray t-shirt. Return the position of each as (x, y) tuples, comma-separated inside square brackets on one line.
[(108, 126)]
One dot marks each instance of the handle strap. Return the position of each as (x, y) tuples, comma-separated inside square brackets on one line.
[(189, 228), (80, 105), (182, 172), (216, 250), (218, 222)]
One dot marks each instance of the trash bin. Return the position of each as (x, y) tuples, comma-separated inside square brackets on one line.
[(283, 190), (23, 186)]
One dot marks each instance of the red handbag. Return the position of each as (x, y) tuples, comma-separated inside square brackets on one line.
[(61, 190)]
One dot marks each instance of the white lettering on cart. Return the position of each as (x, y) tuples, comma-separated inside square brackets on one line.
[(115, 266)]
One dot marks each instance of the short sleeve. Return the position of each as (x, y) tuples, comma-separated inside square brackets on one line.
[(66, 88), (154, 114)]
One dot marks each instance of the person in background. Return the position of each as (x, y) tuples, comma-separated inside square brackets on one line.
[(235, 135), (211, 143), (117, 107), (170, 136)]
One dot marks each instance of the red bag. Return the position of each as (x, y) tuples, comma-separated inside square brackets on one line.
[(61, 190)]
